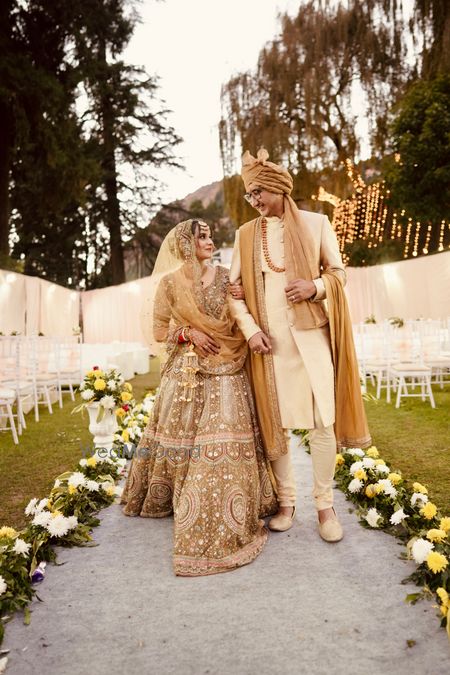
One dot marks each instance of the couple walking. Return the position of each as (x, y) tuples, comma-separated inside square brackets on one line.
[(252, 353)]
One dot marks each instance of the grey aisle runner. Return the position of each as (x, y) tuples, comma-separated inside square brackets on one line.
[(303, 607)]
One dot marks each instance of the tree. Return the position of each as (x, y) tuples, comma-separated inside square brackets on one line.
[(419, 173)]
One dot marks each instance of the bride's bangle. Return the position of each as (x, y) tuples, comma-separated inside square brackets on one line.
[(184, 335)]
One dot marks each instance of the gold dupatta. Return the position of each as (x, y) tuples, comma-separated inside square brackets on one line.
[(351, 427)]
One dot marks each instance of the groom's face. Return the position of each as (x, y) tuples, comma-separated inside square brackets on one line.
[(266, 203)]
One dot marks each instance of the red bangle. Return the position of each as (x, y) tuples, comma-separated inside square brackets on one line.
[(182, 337)]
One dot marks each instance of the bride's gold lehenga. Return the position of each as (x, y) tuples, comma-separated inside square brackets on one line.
[(203, 460)]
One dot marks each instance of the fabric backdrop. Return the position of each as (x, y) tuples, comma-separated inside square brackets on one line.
[(410, 289)]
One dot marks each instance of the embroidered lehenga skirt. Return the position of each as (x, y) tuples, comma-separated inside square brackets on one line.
[(202, 460)]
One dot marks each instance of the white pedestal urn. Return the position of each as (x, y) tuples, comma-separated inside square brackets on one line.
[(104, 430)]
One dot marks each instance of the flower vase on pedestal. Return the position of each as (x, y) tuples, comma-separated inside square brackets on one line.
[(103, 431)]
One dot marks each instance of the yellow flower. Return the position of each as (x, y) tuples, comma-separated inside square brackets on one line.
[(436, 535), (418, 487), (56, 512), (372, 452), (436, 562), (429, 510), (442, 595), (370, 491), (444, 524), (71, 489), (339, 458), (120, 412), (125, 435), (395, 478), (145, 420), (126, 396), (444, 609), (110, 491), (380, 461), (127, 386), (91, 461), (361, 474), (6, 531), (99, 384), (90, 373), (98, 373)]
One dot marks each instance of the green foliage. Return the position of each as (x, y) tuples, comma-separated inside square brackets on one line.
[(419, 175)]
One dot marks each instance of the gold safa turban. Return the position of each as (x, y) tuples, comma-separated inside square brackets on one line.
[(259, 172)]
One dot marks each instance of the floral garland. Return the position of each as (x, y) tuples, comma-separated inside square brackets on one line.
[(386, 501), (67, 515), (64, 518)]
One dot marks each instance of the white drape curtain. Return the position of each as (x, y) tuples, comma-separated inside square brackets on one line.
[(410, 289), (30, 305), (114, 313)]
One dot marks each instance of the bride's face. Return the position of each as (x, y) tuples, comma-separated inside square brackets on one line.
[(204, 245)]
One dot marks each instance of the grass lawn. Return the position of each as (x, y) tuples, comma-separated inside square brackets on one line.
[(47, 448), (414, 439)]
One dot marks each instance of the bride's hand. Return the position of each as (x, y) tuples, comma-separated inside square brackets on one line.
[(237, 291), (204, 344)]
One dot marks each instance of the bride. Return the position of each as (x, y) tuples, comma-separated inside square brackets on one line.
[(200, 456)]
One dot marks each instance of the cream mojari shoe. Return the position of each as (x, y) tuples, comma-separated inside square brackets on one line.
[(331, 530), (281, 522)]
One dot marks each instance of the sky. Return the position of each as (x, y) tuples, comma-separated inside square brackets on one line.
[(195, 46)]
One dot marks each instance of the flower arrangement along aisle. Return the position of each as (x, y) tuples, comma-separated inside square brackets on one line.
[(387, 501), (105, 388), (132, 421), (64, 518)]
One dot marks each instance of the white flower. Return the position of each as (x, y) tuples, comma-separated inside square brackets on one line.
[(372, 516), (382, 468), (42, 518), (92, 485), (357, 451), (420, 550), (355, 485), (40, 506), (106, 485), (418, 496), (398, 517), (82, 387), (58, 526), (72, 522), (87, 394), (31, 507), (3, 585), (387, 487), (57, 483), (355, 467), (111, 384), (107, 402), (83, 462), (76, 479), (368, 462), (21, 547)]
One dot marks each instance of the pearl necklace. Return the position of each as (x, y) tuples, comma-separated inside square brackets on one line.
[(265, 247)]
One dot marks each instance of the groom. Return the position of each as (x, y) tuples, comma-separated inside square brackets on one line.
[(288, 262)]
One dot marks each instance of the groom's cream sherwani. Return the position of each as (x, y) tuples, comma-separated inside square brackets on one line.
[(302, 362)]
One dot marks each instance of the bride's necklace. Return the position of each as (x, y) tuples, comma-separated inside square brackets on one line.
[(265, 247)]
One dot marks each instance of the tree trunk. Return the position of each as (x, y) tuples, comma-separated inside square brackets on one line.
[(113, 221), (6, 144)]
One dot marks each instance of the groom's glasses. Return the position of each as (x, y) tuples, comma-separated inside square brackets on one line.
[(253, 195)]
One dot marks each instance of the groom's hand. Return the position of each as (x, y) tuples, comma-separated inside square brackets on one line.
[(300, 289), (260, 343)]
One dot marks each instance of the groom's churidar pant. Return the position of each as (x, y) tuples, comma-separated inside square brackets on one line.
[(303, 367)]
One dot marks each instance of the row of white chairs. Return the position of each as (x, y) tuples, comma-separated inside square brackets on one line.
[(401, 359), (33, 371)]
